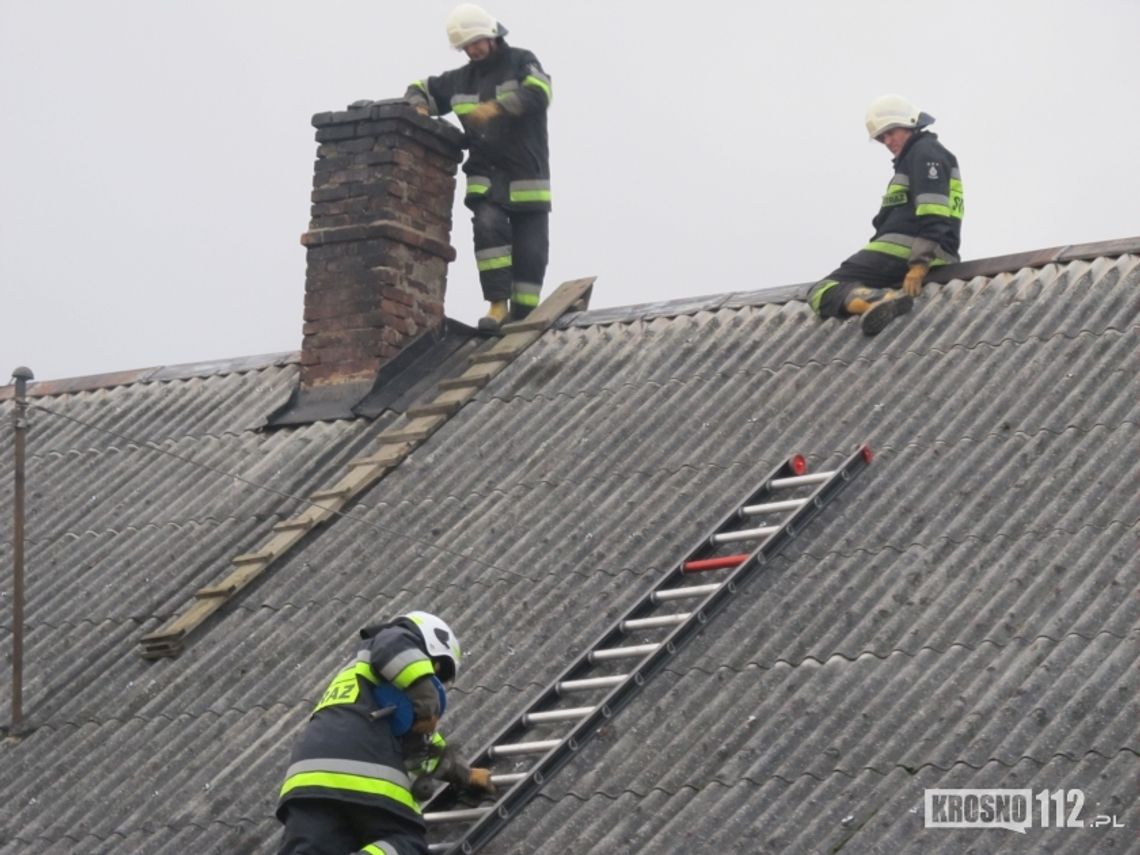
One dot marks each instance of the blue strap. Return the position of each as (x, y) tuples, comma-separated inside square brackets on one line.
[(402, 717)]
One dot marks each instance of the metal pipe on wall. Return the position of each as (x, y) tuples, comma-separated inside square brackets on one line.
[(20, 429)]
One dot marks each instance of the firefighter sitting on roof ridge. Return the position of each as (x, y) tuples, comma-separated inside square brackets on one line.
[(918, 227), (349, 787), (500, 97)]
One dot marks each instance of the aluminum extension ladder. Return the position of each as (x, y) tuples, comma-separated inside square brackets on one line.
[(802, 497)]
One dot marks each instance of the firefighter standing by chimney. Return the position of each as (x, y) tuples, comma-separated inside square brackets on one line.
[(918, 226), (500, 97)]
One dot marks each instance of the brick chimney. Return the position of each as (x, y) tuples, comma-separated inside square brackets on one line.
[(379, 239)]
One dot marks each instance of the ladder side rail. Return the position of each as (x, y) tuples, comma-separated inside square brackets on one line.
[(522, 792), (446, 798)]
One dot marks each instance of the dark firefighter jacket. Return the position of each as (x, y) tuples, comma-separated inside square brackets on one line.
[(921, 216), (509, 161), (344, 753)]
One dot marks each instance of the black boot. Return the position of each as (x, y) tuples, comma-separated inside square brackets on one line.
[(877, 306)]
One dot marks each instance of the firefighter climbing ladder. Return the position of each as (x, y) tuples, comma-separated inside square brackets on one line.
[(661, 609)]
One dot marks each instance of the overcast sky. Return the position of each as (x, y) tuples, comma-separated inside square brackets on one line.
[(158, 154)]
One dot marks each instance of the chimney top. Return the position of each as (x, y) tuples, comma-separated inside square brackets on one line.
[(378, 241)]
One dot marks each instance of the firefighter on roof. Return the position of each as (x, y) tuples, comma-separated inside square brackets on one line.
[(500, 97), (353, 780), (918, 226)]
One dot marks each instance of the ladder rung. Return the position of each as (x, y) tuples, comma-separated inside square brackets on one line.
[(744, 534), (392, 455), (591, 683), (568, 714), (296, 524), (436, 817), (411, 435), (465, 381), (334, 493), (772, 507), (516, 748), (433, 408), (721, 563), (654, 622), (507, 779), (252, 558), (800, 480), (490, 356), (684, 593), (622, 652)]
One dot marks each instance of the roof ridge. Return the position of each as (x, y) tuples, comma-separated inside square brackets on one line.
[(781, 294), (158, 373)]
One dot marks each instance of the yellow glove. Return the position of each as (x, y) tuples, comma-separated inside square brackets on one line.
[(912, 285), (480, 779), (486, 111)]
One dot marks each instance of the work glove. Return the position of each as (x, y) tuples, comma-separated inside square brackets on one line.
[(912, 284), (423, 110), (486, 111), (425, 726), (480, 779)]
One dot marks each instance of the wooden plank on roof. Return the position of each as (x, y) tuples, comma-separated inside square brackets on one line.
[(573, 296)]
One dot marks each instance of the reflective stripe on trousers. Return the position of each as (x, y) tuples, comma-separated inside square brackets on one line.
[(526, 293), (511, 251)]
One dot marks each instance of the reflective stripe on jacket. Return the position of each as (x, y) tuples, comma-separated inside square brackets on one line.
[(509, 161)]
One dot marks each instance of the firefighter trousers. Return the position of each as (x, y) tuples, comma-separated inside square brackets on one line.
[(828, 297), (511, 252), (330, 827)]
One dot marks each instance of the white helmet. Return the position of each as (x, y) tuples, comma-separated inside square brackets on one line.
[(894, 111), (441, 642), (468, 23)]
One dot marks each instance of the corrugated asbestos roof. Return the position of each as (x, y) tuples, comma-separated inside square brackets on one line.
[(965, 615)]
